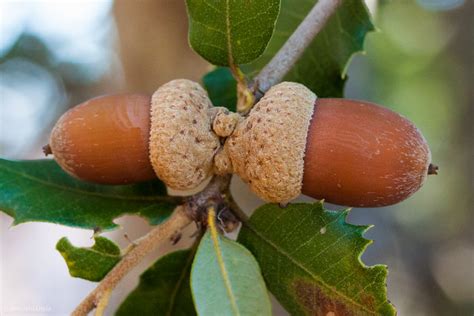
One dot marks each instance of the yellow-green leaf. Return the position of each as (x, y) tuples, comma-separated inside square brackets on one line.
[(90, 263)]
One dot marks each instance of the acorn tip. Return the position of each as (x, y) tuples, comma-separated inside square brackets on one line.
[(433, 169), (47, 150)]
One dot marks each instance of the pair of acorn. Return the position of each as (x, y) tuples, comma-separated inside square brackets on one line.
[(347, 152)]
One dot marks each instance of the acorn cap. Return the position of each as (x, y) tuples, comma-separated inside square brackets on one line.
[(267, 149), (182, 144)]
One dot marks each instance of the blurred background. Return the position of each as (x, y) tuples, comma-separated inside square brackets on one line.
[(55, 54)]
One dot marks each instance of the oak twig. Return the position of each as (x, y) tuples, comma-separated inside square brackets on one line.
[(157, 236), (296, 44), (103, 302)]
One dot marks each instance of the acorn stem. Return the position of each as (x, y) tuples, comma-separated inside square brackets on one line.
[(47, 150), (433, 169)]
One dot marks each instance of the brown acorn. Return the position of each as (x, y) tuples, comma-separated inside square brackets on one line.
[(128, 138), (105, 140), (346, 152), (362, 154)]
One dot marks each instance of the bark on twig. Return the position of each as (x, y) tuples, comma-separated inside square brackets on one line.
[(159, 235), (294, 47), (165, 232)]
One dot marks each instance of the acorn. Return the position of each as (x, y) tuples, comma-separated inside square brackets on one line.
[(361, 154), (129, 138), (347, 152), (105, 140)]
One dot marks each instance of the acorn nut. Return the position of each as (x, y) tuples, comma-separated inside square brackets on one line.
[(105, 140), (347, 152), (130, 138)]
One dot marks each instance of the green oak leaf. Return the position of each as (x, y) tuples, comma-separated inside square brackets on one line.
[(164, 288), (323, 65), (227, 32), (310, 259), (226, 279), (90, 263), (39, 190), (221, 87)]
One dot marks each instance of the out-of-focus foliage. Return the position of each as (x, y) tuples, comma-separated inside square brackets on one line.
[(221, 87), (440, 5), (51, 57), (156, 49)]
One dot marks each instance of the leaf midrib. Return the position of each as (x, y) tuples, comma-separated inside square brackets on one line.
[(306, 270), (85, 192), (227, 24), (93, 251), (225, 275)]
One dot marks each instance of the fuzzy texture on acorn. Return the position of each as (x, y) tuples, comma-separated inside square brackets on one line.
[(182, 144), (267, 149), (347, 152)]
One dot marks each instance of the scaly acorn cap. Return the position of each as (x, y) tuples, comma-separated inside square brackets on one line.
[(182, 143), (267, 148)]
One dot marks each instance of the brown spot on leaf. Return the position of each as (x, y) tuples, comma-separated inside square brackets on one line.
[(367, 300), (316, 302)]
